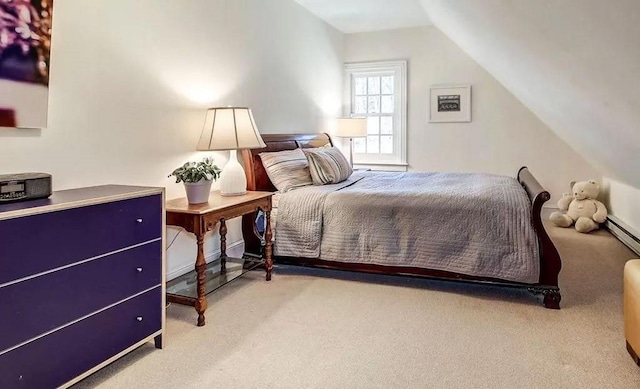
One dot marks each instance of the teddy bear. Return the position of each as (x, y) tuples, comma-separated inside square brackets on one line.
[(581, 207)]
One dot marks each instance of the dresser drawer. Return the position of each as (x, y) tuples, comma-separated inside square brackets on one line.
[(35, 306), (65, 354), (37, 243)]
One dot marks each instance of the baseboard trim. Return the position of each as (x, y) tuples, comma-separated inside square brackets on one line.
[(231, 251), (624, 233)]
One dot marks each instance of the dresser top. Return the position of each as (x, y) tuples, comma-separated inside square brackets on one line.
[(74, 198)]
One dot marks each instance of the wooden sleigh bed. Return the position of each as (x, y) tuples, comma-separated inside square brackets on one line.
[(550, 262)]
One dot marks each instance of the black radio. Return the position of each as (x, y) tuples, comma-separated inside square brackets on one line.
[(24, 186)]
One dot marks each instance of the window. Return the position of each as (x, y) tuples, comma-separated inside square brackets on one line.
[(377, 91)]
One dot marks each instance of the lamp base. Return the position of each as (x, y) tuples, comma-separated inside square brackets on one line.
[(233, 181), (230, 194), (351, 152)]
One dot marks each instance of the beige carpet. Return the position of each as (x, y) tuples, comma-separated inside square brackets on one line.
[(325, 329)]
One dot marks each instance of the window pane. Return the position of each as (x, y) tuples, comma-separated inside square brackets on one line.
[(387, 85), (386, 125), (361, 86), (387, 104), (373, 125), (374, 85), (374, 104), (373, 144), (386, 144), (359, 145), (373, 96), (361, 104)]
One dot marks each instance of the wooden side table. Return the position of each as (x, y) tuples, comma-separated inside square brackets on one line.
[(192, 288)]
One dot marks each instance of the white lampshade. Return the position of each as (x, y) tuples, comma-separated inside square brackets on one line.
[(229, 128), (351, 127)]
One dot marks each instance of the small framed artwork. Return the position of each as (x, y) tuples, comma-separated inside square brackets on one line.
[(450, 104)]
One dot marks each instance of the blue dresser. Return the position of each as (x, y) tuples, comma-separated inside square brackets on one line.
[(82, 282)]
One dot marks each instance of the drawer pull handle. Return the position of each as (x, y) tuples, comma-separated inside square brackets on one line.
[(139, 318), (139, 269), (139, 220)]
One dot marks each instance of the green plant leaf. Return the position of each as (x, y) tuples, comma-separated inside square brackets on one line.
[(196, 171)]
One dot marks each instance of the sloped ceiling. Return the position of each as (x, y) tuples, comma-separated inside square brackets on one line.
[(350, 16), (574, 63)]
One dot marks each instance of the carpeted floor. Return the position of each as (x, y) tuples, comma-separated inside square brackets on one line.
[(312, 328)]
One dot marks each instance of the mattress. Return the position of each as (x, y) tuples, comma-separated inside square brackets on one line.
[(473, 224)]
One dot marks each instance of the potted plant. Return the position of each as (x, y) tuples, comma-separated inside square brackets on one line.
[(197, 178)]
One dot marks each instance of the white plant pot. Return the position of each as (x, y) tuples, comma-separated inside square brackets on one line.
[(198, 192)]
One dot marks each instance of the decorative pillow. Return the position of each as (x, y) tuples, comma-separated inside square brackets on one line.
[(287, 169), (327, 165)]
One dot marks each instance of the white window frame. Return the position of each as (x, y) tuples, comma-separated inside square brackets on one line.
[(397, 160)]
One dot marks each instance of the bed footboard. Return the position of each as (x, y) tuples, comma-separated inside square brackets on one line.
[(550, 262)]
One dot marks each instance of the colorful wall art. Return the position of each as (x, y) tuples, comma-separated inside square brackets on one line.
[(25, 48)]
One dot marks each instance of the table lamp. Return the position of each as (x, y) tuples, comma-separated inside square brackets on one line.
[(351, 128), (230, 128)]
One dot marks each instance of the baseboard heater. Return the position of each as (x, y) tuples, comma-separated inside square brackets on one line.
[(624, 233)]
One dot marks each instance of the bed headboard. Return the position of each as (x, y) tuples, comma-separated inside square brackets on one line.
[(257, 178)]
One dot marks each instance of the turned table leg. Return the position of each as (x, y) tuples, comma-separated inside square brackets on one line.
[(201, 265), (268, 248), (223, 245)]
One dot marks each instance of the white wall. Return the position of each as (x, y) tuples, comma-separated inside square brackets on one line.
[(574, 63), (503, 134), (623, 201), (130, 81)]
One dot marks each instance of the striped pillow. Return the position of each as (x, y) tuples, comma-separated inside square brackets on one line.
[(327, 165), (287, 169)]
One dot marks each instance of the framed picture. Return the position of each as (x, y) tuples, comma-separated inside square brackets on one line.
[(450, 104), (25, 45)]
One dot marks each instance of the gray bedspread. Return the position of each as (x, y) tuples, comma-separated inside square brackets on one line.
[(474, 224)]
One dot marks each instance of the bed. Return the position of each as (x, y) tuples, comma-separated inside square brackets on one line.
[(331, 226)]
